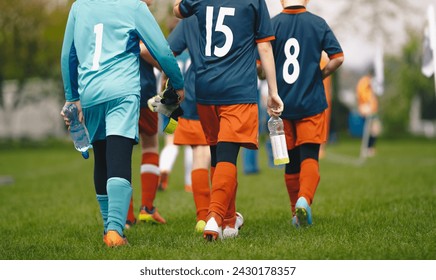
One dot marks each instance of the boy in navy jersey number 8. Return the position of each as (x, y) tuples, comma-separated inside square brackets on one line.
[(226, 89), (300, 39)]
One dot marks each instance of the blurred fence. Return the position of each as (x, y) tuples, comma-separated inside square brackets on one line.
[(31, 110), (418, 125)]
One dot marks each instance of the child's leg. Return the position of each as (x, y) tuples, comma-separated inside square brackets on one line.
[(292, 176), (119, 189), (100, 178)]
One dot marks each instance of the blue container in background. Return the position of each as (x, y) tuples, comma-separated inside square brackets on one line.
[(356, 124)]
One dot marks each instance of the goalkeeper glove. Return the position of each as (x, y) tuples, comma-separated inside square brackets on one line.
[(173, 112), (169, 95)]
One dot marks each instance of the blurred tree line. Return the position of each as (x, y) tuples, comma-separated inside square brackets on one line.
[(31, 34), (403, 77), (403, 81)]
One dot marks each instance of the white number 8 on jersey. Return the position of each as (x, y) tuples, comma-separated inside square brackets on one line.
[(291, 59)]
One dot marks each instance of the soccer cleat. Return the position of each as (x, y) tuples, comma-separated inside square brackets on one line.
[(199, 227), (163, 184), (295, 222), (150, 216), (188, 188), (239, 221), (303, 212), (113, 239), (212, 231), (232, 226), (130, 224)]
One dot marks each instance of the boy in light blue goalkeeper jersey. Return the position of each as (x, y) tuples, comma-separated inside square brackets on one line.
[(100, 71)]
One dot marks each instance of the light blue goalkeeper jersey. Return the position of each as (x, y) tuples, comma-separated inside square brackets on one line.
[(100, 52)]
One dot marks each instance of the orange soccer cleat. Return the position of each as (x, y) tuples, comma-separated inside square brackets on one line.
[(113, 239)]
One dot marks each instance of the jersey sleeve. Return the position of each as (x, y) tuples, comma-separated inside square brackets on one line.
[(177, 38), (69, 60), (150, 34), (330, 44), (264, 31), (186, 8)]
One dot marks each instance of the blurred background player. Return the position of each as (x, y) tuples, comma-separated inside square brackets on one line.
[(183, 41), (100, 72), (167, 158), (169, 153), (148, 131), (300, 39), (367, 105), (250, 157), (226, 90)]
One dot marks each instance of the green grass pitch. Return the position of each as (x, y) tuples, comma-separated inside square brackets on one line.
[(383, 209)]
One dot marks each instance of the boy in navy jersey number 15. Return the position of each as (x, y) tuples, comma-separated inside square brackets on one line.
[(226, 91)]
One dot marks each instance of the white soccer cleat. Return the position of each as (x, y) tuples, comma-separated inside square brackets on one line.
[(239, 220), (232, 230), (212, 231)]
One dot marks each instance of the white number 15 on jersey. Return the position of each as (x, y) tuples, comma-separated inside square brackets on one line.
[(220, 27)]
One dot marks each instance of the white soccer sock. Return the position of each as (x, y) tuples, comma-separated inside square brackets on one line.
[(167, 157), (188, 165)]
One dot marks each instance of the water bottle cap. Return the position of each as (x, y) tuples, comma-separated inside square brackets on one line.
[(85, 154)]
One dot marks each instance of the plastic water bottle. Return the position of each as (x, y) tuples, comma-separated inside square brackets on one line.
[(78, 131), (278, 141)]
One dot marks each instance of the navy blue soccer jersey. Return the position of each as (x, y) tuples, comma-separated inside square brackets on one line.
[(300, 39), (185, 37), (189, 104), (229, 31), (147, 82)]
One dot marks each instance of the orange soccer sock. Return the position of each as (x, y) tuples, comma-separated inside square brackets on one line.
[(230, 216), (223, 188), (130, 214), (309, 179), (212, 172), (149, 178), (231, 209), (293, 187), (201, 192)]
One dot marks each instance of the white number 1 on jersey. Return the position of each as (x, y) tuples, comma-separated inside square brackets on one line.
[(98, 30)]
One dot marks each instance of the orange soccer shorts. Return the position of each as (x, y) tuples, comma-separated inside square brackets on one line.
[(148, 122), (236, 123), (312, 129), (189, 132)]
